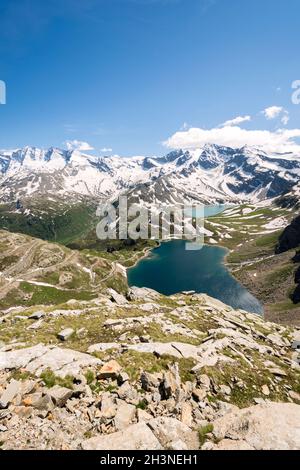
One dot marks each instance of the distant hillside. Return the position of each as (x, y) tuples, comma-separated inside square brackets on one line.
[(33, 271)]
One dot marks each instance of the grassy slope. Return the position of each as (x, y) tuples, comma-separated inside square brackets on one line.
[(57, 220), (252, 260), (38, 272)]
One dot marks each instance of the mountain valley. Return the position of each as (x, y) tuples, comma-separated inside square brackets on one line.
[(87, 362)]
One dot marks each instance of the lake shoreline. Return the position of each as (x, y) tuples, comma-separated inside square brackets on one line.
[(162, 278)]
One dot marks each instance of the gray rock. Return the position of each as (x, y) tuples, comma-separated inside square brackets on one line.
[(171, 383), (156, 397), (296, 345), (110, 370), (40, 401), (128, 393), (62, 362), (259, 401), (270, 426), (122, 377), (157, 348), (178, 445), (81, 333), (112, 323), (186, 416), (276, 340), (142, 293), (12, 389), (27, 386), (204, 381), (64, 335), (265, 390), (135, 437), (37, 315), (169, 430), (36, 325), (225, 389), (294, 396), (21, 357), (124, 416), (150, 382), (143, 415), (116, 297), (199, 394), (80, 386), (59, 395), (278, 372), (108, 406), (4, 414), (99, 347), (209, 352), (225, 408)]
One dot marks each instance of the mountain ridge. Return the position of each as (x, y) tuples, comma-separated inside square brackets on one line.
[(211, 174)]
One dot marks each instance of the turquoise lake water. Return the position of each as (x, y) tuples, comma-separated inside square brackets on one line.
[(171, 268)]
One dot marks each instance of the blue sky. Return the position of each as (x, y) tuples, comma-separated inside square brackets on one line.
[(127, 75)]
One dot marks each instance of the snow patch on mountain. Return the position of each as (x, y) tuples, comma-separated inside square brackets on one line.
[(209, 174)]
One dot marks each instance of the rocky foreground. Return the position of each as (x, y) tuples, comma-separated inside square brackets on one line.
[(147, 372)]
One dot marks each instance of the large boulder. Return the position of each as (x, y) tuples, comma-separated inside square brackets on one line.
[(110, 370), (60, 395), (116, 297), (142, 293), (12, 389), (21, 357), (37, 359), (136, 437), (124, 416), (173, 434), (269, 426)]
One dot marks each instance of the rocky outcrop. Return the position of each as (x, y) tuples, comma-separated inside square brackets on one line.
[(172, 369), (290, 238), (39, 358), (271, 426), (173, 434), (136, 437)]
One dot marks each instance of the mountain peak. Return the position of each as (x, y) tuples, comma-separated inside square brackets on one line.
[(208, 174)]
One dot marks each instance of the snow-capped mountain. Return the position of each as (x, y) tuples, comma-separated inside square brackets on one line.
[(207, 175)]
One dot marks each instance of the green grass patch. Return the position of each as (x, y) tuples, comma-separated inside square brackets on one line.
[(203, 432), (50, 379)]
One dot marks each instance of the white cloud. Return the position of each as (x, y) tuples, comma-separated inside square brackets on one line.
[(281, 140), (285, 118), (236, 121), (277, 111), (272, 112), (106, 150), (78, 145)]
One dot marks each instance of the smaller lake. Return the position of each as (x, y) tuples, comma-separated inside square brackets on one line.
[(171, 268), (215, 209), (209, 210)]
